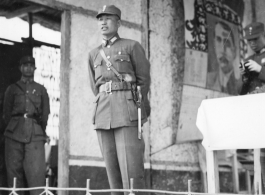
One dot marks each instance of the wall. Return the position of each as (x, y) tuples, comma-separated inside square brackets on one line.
[(126, 7), (171, 163)]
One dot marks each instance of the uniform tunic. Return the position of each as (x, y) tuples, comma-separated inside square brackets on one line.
[(118, 109), (24, 144), (255, 79)]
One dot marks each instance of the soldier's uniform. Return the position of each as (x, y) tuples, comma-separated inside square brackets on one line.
[(254, 80), (115, 113), (26, 110)]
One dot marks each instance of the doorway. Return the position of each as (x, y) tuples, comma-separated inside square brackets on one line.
[(42, 24)]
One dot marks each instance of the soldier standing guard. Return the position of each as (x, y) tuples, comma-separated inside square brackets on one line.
[(116, 67), (253, 70), (25, 112)]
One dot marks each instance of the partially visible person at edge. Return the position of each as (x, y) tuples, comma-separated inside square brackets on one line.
[(25, 113), (253, 70), (115, 115), (3, 179)]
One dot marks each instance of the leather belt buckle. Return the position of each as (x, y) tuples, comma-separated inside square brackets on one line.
[(108, 87), (25, 115)]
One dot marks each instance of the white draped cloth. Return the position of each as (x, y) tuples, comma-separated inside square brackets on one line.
[(233, 122)]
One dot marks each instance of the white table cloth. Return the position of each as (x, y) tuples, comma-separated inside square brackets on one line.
[(233, 122)]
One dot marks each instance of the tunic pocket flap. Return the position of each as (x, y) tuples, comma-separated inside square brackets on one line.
[(122, 58), (12, 124), (129, 95)]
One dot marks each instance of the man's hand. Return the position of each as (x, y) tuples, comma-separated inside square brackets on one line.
[(241, 68), (253, 66)]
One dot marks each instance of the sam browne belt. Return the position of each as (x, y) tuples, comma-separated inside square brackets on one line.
[(26, 115)]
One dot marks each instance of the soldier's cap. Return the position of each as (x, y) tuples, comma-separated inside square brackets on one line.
[(253, 30), (27, 59), (109, 9)]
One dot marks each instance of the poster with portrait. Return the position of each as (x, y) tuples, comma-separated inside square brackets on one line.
[(223, 56), (214, 47)]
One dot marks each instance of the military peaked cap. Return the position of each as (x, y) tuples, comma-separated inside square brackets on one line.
[(253, 30), (27, 59), (109, 9)]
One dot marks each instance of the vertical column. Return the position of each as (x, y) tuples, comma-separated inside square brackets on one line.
[(145, 25), (63, 152), (253, 9), (30, 38)]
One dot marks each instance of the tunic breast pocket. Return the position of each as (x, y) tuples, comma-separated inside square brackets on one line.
[(124, 64), (36, 97), (19, 98), (97, 68)]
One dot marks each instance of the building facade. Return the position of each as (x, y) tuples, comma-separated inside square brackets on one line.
[(179, 39)]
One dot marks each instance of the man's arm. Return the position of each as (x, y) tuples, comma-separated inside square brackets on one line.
[(8, 105), (91, 72), (142, 72), (262, 74), (141, 67), (45, 109)]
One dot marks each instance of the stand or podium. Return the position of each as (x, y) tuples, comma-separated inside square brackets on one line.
[(232, 123)]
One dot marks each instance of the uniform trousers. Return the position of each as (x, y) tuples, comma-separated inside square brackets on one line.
[(123, 154), (25, 160), (3, 182)]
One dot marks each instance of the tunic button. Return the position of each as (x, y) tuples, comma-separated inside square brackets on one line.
[(119, 52), (121, 59), (27, 91), (108, 57), (108, 46)]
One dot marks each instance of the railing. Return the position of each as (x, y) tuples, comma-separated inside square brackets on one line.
[(131, 191)]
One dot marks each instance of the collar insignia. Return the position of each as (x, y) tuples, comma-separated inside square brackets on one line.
[(113, 39)]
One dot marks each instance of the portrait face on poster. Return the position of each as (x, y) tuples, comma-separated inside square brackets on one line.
[(223, 56)]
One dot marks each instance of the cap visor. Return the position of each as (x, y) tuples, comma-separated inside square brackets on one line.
[(252, 36), (106, 13)]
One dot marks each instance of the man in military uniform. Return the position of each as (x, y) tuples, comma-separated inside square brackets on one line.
[(3, 182), (253, 70), (25, 112), (116, 67)]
